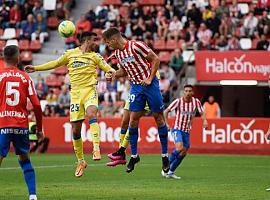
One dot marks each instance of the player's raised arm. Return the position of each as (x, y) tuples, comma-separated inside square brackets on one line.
[(63, 60), (202, 113), (36, 107)]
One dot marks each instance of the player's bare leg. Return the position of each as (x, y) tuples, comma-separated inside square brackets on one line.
[(29, 175), (1, 158), (91, 114), (133, 139), (78, 148), (163, 136)]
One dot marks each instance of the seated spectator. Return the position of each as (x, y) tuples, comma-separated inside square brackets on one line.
[(234, 7), (204, 37), (41, 88), (234, 43), (4, 16), (138, 29), (233, 22), (111, 91), (108, 110), (264, 24), (190, 37), (91, 16), (83, 24), (164, 85), (101, 88), (213, 23), (207, 13), (38, 9), (175, 27), (177, 61), (40, 29), (64, 97), (222, 9), (211, 108), (68, 4), (225, 25), (128, 28), (162, 27), (263, 44), (15, 16), (136, 12), (194, 14), (51, 98), (26, 10), (28, 27), (214, 4), (222, 43), (113, 13), (249, 26)]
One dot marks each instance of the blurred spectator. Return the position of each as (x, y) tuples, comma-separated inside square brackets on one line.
[(249, 26), (162, 28), (111, 92), (139, 29), (4, 16), (194, 14), (136, 12), (64, 97), (224, 28), (207, 13), (38, 9), (47, 111), (113, 13), (214, 4), (91, 15), (51, 98), (234, 43), (67, 7), (263, 44), (70, 42), (222, 43), (177, 61), (41, 88), (204, 36), (175, 27), (211, 108), (128, 29), (190, 37), (26, 10), (101, 89), (28, 27), (40, 29), (234, 8), (222, 9), (83, 24), (108, 109), (15, 16), (213, 23), (164, 85), (264, 24)]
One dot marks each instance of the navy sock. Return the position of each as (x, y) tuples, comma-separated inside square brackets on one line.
[(177, 161), (123, 131), (76, 136), (163, 136), (133, 140), (29, 176), (173, 155)]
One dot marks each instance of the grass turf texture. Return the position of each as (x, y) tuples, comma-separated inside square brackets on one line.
[(208, 177)]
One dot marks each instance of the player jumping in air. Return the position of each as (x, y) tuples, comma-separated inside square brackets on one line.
[(140, 64), (186, 108), (15, 87), (82, 63)]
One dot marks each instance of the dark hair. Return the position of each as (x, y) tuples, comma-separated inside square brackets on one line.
[(188, 86), (86, 35), (110, 32), (11, 54)]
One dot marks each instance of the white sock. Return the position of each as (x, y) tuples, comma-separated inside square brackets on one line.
[(134, 156), (170, 172), (164, 155), (96, 147), (33, 197)]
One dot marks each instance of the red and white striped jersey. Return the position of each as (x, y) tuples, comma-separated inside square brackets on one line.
[(133, 60), (185, 112)]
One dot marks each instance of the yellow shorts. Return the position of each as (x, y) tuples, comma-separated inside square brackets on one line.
[(80, 100), (126, 107)]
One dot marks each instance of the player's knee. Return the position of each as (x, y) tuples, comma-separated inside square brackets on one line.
[(180, 149), (159, 119), (133, 123), (24, 157)]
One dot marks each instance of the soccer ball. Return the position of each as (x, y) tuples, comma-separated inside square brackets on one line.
[(66, 28)]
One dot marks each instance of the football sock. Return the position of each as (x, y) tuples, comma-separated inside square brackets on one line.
[(95, 133), (122, 136), (29, 176), (78, 146), (133, 140), (173, 155), (163, 136), (126, 140), (177, 161)]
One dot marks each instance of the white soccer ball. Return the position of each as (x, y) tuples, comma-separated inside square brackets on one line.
[(66, 29)]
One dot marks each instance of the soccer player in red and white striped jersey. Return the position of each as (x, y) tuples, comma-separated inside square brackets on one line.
[(186, 108), (140, 64)]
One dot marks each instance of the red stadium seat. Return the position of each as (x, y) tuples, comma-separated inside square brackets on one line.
[(171, 44), (60, 70), (254, 43), (112, 2), (160, 44), (51, 80), (26, 56), (61, 79), (164, 56), (35, 45), (2, 45), (151, 2), (24, 45), (1, 32), (53, 22), (18, 32)]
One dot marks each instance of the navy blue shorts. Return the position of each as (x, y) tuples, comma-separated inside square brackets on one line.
[(181, 136), (19, 138), (151, 94)]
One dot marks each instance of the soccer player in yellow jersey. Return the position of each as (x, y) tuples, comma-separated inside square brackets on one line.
[(82, 63)]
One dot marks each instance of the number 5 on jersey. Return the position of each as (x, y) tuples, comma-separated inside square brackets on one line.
[(12, 93)]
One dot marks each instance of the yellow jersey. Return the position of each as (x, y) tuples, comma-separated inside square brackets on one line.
[(82, 67)]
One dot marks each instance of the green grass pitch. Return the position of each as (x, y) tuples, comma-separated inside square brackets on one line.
[(209, 177)]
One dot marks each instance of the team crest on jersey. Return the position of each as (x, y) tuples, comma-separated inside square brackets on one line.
[(128, 60)]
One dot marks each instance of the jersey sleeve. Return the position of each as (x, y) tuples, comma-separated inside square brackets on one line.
[(174, 104), (63, 60), (199, 106), (102, 64), (32, 95), (141, 48)]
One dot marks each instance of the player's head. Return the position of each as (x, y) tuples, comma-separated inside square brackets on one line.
[(188, 91), (11, 55), (111, 37), (90, 39)]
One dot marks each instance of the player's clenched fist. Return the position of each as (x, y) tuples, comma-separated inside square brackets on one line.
[(29, 68)]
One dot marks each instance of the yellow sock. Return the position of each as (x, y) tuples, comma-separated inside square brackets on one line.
[(122, 137), (78, 149), (95, 133), (125, 140)]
